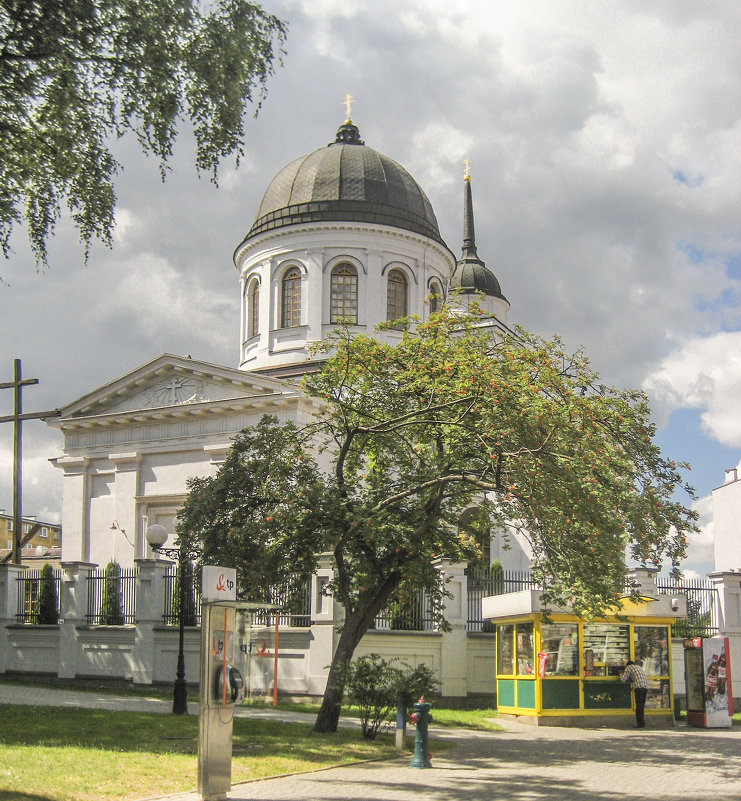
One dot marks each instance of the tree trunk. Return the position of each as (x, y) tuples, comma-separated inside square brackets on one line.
[(329, 712)]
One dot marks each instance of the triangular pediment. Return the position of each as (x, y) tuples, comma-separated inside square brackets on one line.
[(170, 382)]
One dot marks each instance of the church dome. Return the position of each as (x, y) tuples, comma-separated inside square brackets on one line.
[(346, 181)]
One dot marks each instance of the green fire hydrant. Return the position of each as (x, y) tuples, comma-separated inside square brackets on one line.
[(421, 717)]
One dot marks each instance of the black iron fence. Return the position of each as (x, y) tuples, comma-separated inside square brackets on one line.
[(484, 581), (32, 587), (703, 605), (294, 605), (416, 613), (111, 599), (191, 597)]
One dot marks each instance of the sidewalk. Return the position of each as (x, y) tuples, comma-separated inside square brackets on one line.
[(523, 763)]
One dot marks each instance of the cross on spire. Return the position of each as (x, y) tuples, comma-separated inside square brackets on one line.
[(467, 173), (348, 105)]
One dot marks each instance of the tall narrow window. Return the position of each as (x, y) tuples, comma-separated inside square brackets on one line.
[(290, 313), (343, 301), (396, 296), (254, 308), (436, 297)]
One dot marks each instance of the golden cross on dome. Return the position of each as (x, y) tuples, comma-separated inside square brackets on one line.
[(467, 173), (348, 104)]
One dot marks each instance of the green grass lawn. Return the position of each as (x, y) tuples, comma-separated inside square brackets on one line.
[(65, 754), (479, 719)]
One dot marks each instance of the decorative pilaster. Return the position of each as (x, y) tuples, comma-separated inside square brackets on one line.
[(73, 604), (325, 615), (150, 605), (454, 646), (645, 578), (8, 604)]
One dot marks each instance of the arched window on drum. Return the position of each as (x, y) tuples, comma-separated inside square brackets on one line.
[(396, 296), (290, 299), (253, 308), (436, 297), (343, 294)]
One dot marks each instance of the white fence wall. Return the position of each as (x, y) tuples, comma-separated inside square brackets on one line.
[(146, 652)]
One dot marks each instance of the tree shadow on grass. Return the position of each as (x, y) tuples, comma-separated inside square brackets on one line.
[(16, 795)]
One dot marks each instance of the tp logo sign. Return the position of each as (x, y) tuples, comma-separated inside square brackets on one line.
[(219, 583)]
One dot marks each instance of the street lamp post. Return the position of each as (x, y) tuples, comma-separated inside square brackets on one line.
[(156, 537)]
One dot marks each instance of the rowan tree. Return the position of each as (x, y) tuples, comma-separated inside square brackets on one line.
[(76, 74), (415, 433)]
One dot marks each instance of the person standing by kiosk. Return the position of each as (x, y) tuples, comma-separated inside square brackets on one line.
[(637, 677)]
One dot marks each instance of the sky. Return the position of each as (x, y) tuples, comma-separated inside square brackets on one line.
[(605, 148)]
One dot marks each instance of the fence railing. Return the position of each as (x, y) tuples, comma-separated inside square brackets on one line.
[(416, 613), (703, 605), (29, 592), (294, 606), (192, 597), (111, 600), (483, 581)]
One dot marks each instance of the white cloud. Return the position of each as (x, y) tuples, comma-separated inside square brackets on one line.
[(163, 300), (704, 374), (439, 151)]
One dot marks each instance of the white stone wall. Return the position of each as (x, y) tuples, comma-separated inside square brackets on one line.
[(727, 523)]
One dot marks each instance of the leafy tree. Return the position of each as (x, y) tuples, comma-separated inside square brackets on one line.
[(75, 74), (46, 605), (110, 606), (413, 434)]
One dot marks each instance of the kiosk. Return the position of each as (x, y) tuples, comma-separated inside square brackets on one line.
[(567, 671)]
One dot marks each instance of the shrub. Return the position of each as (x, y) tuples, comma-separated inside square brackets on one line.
[(413, 684), (110, 607), (372, 683), (376, 685), (46, 607)]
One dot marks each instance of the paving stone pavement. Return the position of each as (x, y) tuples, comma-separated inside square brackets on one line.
[(522, 763)]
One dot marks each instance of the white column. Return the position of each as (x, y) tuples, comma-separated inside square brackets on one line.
[(728, 586), (150, 605), (454, 646), (75, 503), (645, 578), (73, 601), (8, 606), (325, 614)]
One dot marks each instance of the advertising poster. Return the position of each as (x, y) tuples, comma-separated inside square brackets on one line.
[(718, 706)]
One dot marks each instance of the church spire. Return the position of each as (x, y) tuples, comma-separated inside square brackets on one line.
[(469, 235), (471, 275)]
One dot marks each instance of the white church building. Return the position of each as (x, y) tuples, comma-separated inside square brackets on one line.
[(343, 232)]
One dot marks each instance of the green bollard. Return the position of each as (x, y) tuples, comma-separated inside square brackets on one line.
[(421, 717)]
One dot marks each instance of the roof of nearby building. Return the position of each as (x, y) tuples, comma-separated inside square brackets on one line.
[(346, 181)]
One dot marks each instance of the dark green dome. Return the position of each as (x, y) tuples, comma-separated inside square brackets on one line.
[(346, 181)]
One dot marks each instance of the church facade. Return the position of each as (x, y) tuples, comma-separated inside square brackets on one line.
[(343, 233)]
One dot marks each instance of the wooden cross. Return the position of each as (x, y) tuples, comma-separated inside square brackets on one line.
[(467, 173), (17, 418), (348, 105)]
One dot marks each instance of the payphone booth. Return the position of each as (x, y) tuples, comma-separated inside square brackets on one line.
[(221, 681)]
